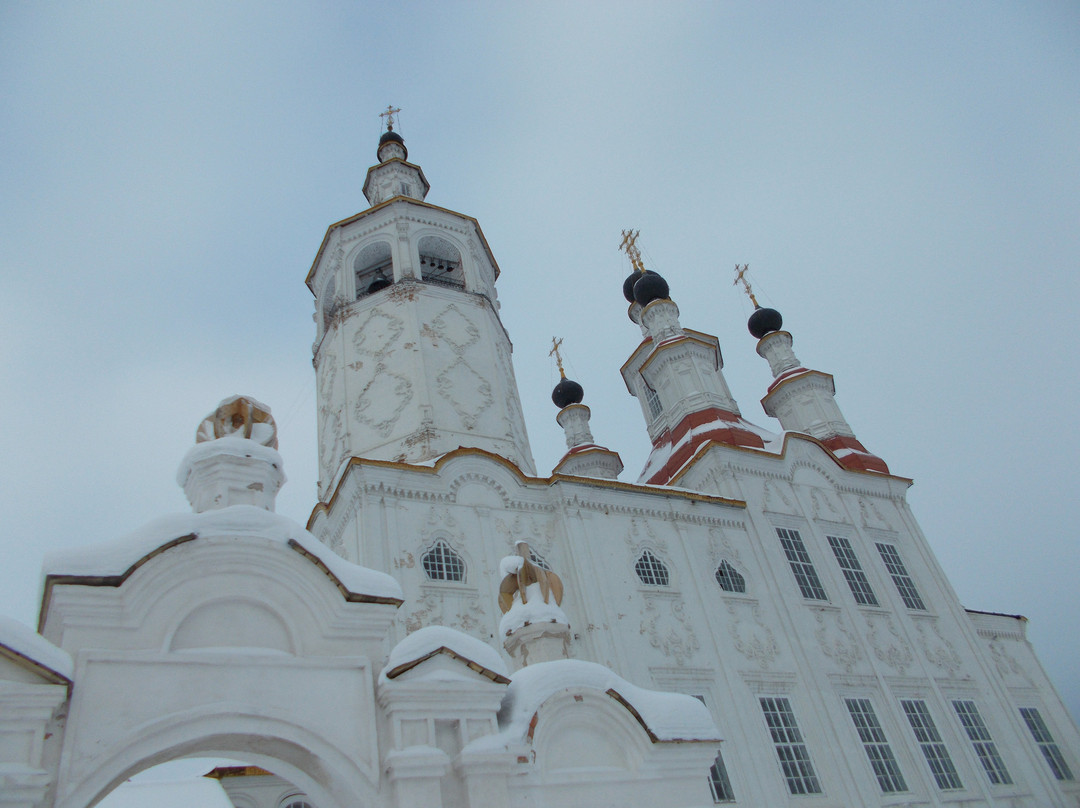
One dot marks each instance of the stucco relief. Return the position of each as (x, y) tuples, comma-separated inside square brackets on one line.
[(779, 498), (837, 640), (938, 650), (377, 334), (871, 516), (426, 611), (750, 635), (888, 645), (1006, 664), (381, 401), (467, 391), (641, 535), (667, 627), (825, 506), (526, 527), (454, 328)]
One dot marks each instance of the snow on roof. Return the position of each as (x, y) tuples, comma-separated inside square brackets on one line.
[(28, 644), (116, 558), (666, 716), (228, 445), (535, 610), (430, 640), (661, 455)]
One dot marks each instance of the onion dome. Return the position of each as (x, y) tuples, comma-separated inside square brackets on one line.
[(628, 285), (380, 281), (393, 137), (764, 321), (649, 287), (567, 392)]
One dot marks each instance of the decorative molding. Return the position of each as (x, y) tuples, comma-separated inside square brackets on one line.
[(837, 641), (752, 637), (889, 648)]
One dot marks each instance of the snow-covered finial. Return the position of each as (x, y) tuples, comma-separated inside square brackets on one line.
[(533, 627), (241, 417)]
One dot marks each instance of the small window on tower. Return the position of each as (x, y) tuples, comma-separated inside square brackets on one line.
[(441, 563), (653, 400), (373, 268), (440, 262), (651, 570), (729, 578)]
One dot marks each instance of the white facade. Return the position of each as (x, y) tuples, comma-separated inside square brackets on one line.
[(781, 579)]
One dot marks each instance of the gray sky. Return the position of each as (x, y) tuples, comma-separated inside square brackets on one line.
[(903, 180)]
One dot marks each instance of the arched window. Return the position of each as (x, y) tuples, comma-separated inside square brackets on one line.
[(441, 563), (651, 570), (374, 269), (440, 262), (538, 560), (295, 802), (729, 579)]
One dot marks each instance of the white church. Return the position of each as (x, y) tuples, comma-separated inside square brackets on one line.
[(756, 620)]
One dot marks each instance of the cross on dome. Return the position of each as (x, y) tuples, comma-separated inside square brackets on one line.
[(555, 344), (629, 246), (389, 115), (740, 277)]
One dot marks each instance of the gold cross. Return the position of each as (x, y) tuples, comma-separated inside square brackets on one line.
[(629, 246), (555, 343), (389, 115), (740, 273)]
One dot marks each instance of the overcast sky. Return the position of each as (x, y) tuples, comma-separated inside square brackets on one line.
[(903, 180)]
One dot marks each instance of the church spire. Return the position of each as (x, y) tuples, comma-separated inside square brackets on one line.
[(394, 176), (583, 458), (803, 400)]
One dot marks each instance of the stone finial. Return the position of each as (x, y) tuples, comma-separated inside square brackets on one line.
[(533, 627), (241, 417)]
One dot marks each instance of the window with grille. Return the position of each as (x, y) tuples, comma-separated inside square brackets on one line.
[(790, 748), (653, 400), (729, 579), (440, 262), (295, 803), (719, 782), (651, 570), (904, 585), (935, 752), (805, 574), (984, 745), (853, 571), (1049, 748), (880, 754), (441, 563), (538, 560)]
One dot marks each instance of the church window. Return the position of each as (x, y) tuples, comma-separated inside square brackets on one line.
[(296, 802), (538, 560), (441, 563), (880, 754), (853, 571), (790, 748), (729, 578), (719, 782), (373, 269), (653, 400), (1046, 743), (801, 565), (984, 745), (651, 570), (936, 754), (904, 585), (440, 262)]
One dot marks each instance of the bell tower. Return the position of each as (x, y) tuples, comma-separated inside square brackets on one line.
[(411, 358)]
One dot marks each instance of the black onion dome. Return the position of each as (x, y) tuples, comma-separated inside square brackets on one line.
[(392, 137), (764, 321), (649, 287), (628, 286), (567, 392)]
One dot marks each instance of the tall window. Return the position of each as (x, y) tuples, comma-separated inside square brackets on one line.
[(441, 563), (935, 752), (853, 571), (882, 761), (904, 585), (981, 741), (790, 749), (729, 578), (719, 782), (651, 570), (653, 400), (801, 565), (1046, 743)]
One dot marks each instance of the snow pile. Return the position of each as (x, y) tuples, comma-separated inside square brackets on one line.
[(668, 716), (430, 640), (535, 610), (115, 558), (28, 644), (229, 445)]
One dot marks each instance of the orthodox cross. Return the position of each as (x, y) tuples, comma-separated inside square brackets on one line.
[(629, 246), (555, 343), (740, 277), (389, 115)]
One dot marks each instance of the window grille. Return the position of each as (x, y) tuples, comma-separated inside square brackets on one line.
[(538, 560), (441, 563), (719, 782), (801, 565), (904, 585), (651, 570), (295, 803), (653, 400), (984, 745), (1049, 748), (880, 754), (729, 578), (935, 752), (853, 571), (790, 749)]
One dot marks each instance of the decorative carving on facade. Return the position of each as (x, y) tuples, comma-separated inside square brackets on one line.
[(668, 628), (381, 401), (939, 651), (641, 536), (751, 637), (838, 642), (467, 391), (871, 516), (825, 506), (526, 526), (779, 498), (453, 328), (1006, 664), (377, 334), (890, 649), (426, 611)]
